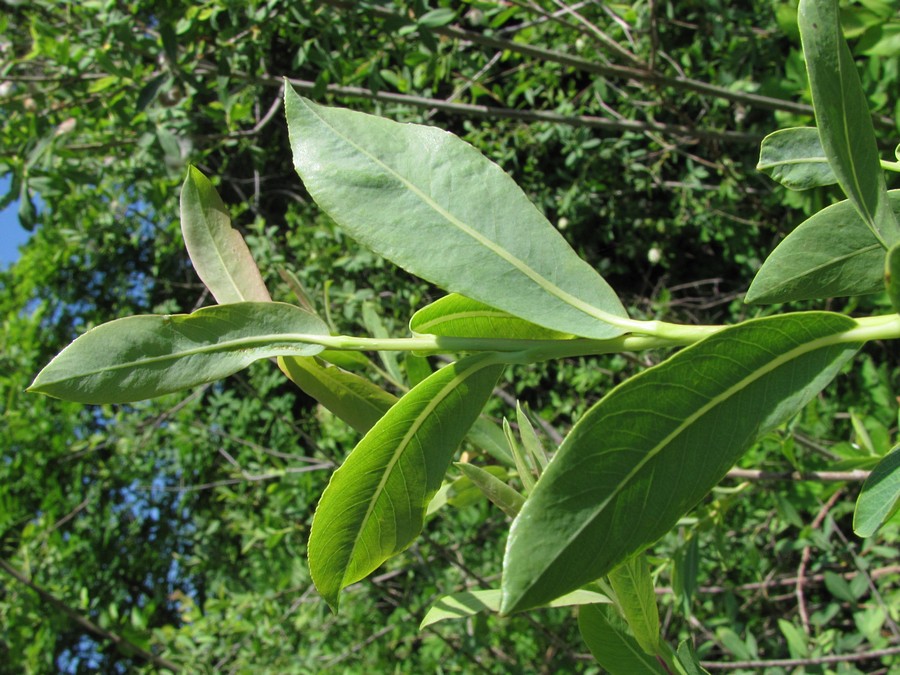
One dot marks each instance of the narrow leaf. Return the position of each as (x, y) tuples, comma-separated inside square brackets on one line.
[(523, 464), (686, 661), (435, 206), (879, 498), (489, 437), (637, 601), (458, 316), (615, 650), (141, 357), (530, 439), (469, 603), (655, 445), (843, 118), (795, 158), (375, 503), (499, 493), (220, 255), (831, 254)]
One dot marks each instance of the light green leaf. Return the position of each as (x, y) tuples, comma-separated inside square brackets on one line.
[(636, 600), (530, 440), (373, 323), (843, 118), (469, 603), (615, 650), (879, 499), (435, 206), (357, 401), (499, 493), (458, 316), (141, 357), (220, 255), (375, 503), (658, 443), (831, 254), (795, 158), (798, 643)]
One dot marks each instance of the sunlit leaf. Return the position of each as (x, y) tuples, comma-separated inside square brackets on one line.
[(795, 158), (637, 600), (879, 498), (654, 446), (458, 316)]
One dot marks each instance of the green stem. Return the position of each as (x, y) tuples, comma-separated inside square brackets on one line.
[(890, 166)]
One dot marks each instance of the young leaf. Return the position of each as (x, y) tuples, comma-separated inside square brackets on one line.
[(637, 601), (615, 650), (530, 439), (220, 255), (655, 445), (375, 503), (458, 316), (795, 158), (831, 254), (879, 498), (843, 118), (469, 603), (499, 493), (435, 206), (141, 357)]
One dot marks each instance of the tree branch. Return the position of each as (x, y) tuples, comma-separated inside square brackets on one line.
[(792, 663), (857, 475)]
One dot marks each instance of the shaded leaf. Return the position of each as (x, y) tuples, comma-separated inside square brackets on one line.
[(686, 661), (892, 276), (437, 207), (141, 357), (458, 316), (498, 492), (655, 445), (637, 601), (795, 158), (615, 650), (375, 503), (879, 499)]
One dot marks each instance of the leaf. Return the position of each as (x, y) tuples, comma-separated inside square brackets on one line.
[(686, 661), (458, 316), (879, 499), (798, 643), (490, 438), (831, 254), (141, 357), (436, 17), (795, 158), (438, 208), (375, 503), (219, 253), (892, 276), (637, 601), (499, 493), (843, 118), (355, 400), (615, 650), (658, 443), (469, 603)]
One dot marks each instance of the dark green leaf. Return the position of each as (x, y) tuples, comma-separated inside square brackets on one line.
[(879, 498), (686, 660), (141, 357), (375, 503), (795, 158), (437, 207), (615, 650), (892, 276), (654, 446)]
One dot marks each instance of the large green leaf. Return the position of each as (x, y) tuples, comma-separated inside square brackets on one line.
[(434, 205), (220, 255), (795, 158), (843, 118), (375, 503), (831, 254), (654, 446), (141, 357), (458, 316), (879, 498), (636, 599), (615, 650)]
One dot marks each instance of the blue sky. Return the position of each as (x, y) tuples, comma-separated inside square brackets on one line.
[(11, 234)]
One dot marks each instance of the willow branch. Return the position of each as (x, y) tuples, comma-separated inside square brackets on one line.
[(795, 663), (857, 475)]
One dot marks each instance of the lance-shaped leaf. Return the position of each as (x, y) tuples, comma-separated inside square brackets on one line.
[(637, 601), (220, 255), (795, 158), (469, 603), (843, 118), (879, 498), (655, 445), (458, 316), (499, 493), (435, 206), (615, 650), (829, 255), (375, 504), (141, 357)]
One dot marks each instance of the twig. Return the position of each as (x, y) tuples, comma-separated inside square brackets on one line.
[(857, 475), (86, 623), (793, 663)]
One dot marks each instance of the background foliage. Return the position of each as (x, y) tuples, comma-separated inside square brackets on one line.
[(180, 525)]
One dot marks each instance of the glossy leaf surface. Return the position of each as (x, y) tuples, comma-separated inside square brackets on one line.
[(375, 503), (615, 650), (879, 498), (637, 600), (843, 118), (458, 316), (831, 254), (795, 158), (655, 445), (141, 357), (437, 207), (220, 255)]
